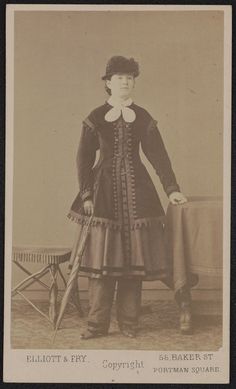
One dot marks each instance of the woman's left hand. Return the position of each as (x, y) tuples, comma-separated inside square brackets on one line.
[(177, 198)]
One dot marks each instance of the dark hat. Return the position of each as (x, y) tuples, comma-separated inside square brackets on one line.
[(119, 64)]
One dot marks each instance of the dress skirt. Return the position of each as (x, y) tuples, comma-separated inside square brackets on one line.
[(104, 254)]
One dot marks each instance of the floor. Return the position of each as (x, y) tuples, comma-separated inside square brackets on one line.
[(158, 330)]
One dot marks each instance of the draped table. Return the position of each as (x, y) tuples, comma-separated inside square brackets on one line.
[(194, 234)]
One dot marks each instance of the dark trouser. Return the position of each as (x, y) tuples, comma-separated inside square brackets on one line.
[(128, 303)]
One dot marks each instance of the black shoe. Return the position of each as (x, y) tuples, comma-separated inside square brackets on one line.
[(127, 331), (91, 334)]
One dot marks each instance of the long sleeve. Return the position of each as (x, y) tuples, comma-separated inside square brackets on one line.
[(155, 151), (85, 159)]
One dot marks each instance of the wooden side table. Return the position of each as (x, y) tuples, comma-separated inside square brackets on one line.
[(51, 258)]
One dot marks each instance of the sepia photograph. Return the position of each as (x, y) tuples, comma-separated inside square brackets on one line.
[(117, 253)]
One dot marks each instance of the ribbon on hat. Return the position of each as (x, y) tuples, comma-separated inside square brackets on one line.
[(119, 108)]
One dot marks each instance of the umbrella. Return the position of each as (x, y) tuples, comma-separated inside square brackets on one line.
[(73, 274)]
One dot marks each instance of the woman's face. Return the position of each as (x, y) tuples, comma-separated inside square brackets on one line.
[(121, 85)]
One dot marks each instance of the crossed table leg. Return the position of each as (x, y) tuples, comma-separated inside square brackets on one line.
[(53, 270)]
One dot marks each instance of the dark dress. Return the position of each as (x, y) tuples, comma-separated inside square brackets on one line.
[(127, 232)]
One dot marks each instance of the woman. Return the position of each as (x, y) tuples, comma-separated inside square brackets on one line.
[(126, 242)]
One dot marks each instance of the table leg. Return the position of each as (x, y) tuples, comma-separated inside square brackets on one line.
[(62, 277), (53, 294), (76, 299), (31, 279), (183, 299)]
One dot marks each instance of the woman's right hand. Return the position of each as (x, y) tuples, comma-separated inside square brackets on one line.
[(88, 207)]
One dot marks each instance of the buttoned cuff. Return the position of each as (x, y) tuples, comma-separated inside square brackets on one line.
[(172, 188), (86, 194)]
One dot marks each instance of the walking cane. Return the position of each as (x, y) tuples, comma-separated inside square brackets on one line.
[(73, 276)]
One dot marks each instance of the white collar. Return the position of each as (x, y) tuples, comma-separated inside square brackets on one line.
[(120, 108)]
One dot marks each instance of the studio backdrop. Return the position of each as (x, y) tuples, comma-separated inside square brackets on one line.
[(59, 60)]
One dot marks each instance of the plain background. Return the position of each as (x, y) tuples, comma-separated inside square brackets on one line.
[(59, 60)]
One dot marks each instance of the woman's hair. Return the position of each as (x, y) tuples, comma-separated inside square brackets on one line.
[(106, 87)]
